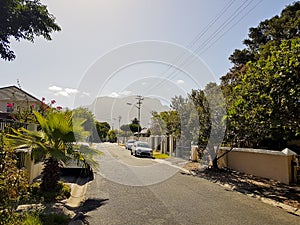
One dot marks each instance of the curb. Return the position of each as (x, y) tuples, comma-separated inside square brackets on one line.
[(77, 193)]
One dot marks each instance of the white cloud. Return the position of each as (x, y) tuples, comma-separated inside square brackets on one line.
[(180, 81), (114, 95), (62, 93), (54, 88), (71, 90), (59, 91), (120, 94)]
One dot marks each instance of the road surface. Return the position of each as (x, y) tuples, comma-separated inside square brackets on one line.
[(122, 193)]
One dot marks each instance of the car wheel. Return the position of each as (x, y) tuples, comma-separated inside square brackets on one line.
[(131, 152)]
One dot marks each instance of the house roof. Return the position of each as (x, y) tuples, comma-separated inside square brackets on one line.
[(13, 93)]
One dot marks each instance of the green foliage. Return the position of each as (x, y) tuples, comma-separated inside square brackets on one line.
[(55, 143), (187, 116), (112, 136), (165, 123), (23, 19), (102, 129), (274, 30), (133, 127), (87, 123), (203, 111), (13, 182), (60, 192), (262, 89), (54, 219), (160, 155), (267, 99), (31, 219)]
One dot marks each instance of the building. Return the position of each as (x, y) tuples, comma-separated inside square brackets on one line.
[(12, 100)]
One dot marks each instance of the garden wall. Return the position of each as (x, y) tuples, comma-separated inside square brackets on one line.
[(264, 163)]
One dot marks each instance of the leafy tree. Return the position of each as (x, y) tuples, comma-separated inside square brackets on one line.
[(90, 124), (135, 125), (112, 135), (267, 103), (165, 123), (125, 127), (259, 87), (274, 30), (102, 129), (55, 143), (203, 111), (23, 19)]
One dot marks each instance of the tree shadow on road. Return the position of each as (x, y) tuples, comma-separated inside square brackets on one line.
[(253, 185), (88, 205), (91, 204)]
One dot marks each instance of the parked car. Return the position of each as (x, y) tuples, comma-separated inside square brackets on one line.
[(141, 148), (129, 144)]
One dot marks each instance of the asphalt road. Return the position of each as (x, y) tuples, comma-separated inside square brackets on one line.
[(122, 193)]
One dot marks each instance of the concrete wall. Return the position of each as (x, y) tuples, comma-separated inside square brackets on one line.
[(34, 169), (264, 163)]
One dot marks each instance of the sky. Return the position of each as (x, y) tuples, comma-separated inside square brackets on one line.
[(157, 48)]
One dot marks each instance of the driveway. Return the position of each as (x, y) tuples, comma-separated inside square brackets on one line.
[(129, 190)]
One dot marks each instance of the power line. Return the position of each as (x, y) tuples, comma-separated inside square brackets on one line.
[(236, 13), (200, 35)]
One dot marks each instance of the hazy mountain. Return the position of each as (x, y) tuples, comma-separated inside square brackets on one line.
[(110, 109)]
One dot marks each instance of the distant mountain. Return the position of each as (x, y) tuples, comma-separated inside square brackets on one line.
[(110, 109)]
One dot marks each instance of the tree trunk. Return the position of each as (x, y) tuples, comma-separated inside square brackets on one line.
[(215, 163), (50, 175)]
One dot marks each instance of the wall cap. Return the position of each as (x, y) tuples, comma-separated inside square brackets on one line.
[(287, 151)]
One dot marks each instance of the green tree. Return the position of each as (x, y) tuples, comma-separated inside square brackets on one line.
[(274, 30), (23, 19), (112, 135), (102, 129), (55, 143), (135, 125), (90, 124), (165, 123), (254, 102), (266, 109)]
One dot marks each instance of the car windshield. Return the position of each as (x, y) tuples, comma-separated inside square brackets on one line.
[(144, 145), (131, 141)]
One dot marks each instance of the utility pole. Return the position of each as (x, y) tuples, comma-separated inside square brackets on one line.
[(138, 105), (120, 117), (139, 99)]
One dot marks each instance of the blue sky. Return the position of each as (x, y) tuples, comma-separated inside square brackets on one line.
[(210, 29)]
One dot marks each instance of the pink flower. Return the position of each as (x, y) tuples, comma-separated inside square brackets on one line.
[(32, 106), (53, 102), (58, 107), (43, 99)]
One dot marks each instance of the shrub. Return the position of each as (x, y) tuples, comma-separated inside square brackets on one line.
[(61, 191), (54, 219), (31, 219), (13, 185)]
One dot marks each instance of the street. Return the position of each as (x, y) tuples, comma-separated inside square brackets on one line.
[(129, 190)]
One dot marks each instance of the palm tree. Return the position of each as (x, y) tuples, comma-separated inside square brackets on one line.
[(55, 142)]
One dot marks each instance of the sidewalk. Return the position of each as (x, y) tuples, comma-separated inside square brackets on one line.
[(269, 191)]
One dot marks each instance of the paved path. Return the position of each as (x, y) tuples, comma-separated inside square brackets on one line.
[(180, 199)]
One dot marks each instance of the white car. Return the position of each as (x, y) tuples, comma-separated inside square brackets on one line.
[(141, 148), (129, 144)]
